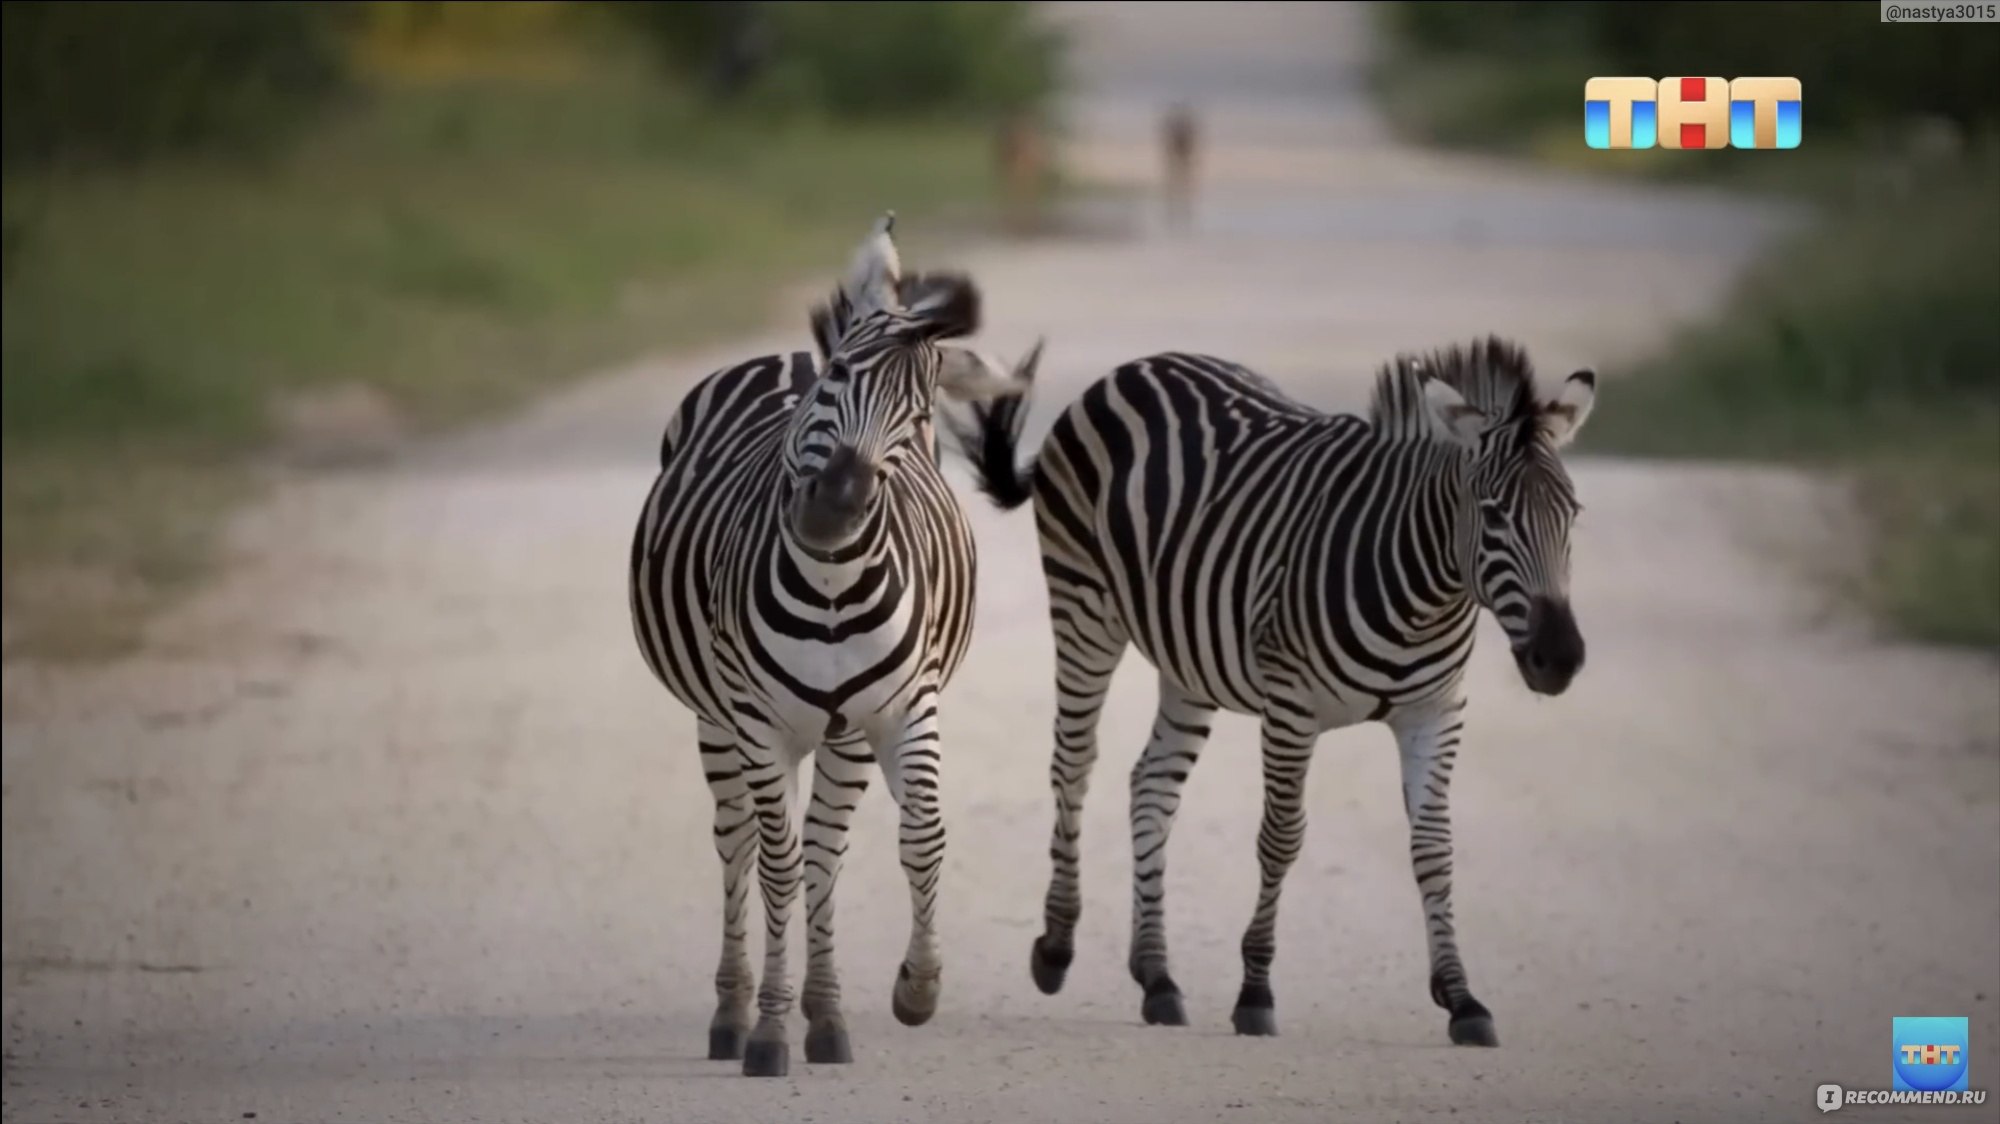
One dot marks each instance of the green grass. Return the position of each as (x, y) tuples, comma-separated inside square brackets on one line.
[(1869, 345), (457, 249), (1933, 565)]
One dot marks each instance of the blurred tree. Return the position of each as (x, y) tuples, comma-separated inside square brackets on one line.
[(123, 81), (724, 40), (422, 39), (1858, 72), (860, 58)]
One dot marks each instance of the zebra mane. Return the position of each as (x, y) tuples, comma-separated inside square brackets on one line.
[(1493, 375)]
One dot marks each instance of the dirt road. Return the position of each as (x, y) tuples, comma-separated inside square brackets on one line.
[(392, 824)]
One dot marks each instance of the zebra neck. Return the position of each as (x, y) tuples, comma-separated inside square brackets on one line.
[(1432, 531), (832, 577)]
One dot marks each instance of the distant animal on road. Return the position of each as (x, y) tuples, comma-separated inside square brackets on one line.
[(1313, 570), (1178, 140), (1022, 158), (802, 579)]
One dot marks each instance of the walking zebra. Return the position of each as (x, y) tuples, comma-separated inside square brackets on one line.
[(802, 577), (1313, 570)]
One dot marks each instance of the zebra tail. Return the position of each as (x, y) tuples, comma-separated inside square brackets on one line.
[(991, 443)]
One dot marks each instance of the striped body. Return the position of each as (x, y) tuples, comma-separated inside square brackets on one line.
[(1237, 535), (732, 619), (1313, 570)]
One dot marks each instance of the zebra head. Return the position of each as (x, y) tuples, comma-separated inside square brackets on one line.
[(1517, 503), (870, 414)]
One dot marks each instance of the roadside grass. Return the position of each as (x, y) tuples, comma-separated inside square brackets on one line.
[(453, 248), (1868, 345), (1933, 567)]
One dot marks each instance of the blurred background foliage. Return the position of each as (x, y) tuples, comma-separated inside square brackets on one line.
[(126, 80), (526, 40), (236, 229), (1515, 65), (123, 81), (859, 58), (1869, 342)]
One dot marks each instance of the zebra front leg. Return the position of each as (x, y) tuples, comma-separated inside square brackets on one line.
[(772, 785), (1428, 746), (736, 845), (1288, 737), (911, 768), (1180, 729), (840, 780), (1086, 656)]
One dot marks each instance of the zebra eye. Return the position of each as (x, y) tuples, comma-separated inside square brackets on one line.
[(1492, 516)]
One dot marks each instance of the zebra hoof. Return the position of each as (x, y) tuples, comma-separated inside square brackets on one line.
[(725, 1043), (1163, 1005), (1049, 965), (1474, 1031), (1260, 1022), (826, 1043), (1255, 1013), (1472, 1025), (914, 1001), (767, 1058)]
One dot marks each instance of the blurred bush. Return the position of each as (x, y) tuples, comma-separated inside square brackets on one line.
[(427, 41), (119, 81), (1866, 328), (1859, 74), (122, 81), (880, 59)]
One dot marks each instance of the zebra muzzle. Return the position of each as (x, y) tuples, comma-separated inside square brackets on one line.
[(833, 502), (1553, 652)]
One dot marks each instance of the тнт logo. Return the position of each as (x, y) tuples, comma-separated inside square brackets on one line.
[(1931, 1054), (1691, 113)]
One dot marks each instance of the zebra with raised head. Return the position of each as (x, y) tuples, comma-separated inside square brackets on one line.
[(802, 579), (1314, 570)]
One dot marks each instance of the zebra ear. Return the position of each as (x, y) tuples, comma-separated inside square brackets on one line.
[(942, 305), (1456, 422), (1563, 417), (967, 375), (829, 323), (873, 273)]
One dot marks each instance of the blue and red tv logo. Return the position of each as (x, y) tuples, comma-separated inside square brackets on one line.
[(1691, 113), (1931, 1054)]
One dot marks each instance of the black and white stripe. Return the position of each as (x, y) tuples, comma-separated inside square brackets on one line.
[(802, 579), (1313, 570)]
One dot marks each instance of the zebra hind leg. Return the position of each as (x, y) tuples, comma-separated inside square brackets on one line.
[(840, 779), (736, 845), (1180, 730), (1088, 648), (1428, 747), (1288, 737)]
